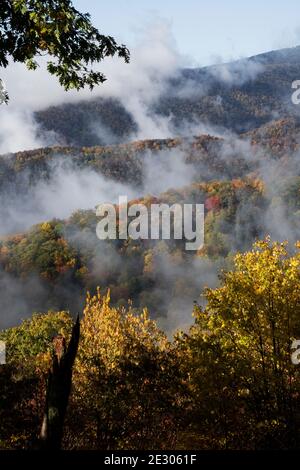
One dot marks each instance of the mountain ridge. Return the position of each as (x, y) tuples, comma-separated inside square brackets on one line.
[(239, 96)]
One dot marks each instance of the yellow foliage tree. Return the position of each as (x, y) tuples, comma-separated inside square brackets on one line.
[(238, 353), (125, 380)]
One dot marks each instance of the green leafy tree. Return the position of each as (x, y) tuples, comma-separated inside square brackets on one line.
[(23, 378), (31, 28)]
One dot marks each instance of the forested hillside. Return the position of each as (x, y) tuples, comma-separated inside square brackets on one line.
[(238, 96), (178, 349), (227, 383)]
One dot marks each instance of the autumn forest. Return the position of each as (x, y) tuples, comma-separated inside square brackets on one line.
[(140, 344)]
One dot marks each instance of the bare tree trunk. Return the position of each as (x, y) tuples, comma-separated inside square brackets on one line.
[(58, 390)]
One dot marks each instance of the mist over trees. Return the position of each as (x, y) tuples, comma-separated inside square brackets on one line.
[(226, 383), (139, 344)]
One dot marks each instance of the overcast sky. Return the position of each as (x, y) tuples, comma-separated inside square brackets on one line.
[(205, 31)]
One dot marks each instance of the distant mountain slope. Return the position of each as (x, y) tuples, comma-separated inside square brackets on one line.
[(76, 123), (63, 259), (125, 162), (280, 136), (239, 96), (52, 265)]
